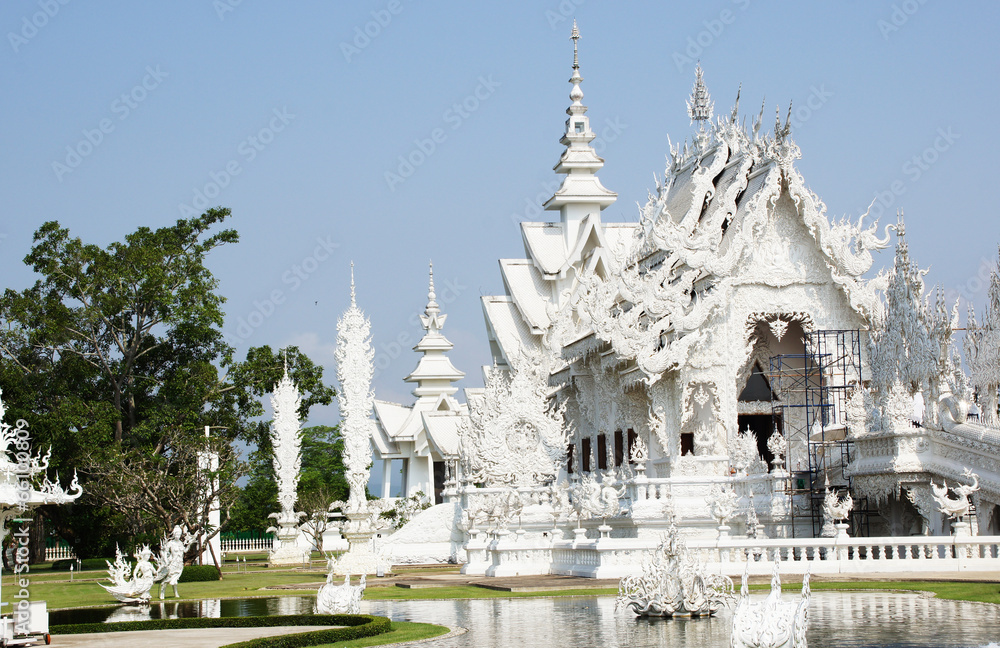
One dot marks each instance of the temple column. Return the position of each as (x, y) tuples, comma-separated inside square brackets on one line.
[(386, 477)]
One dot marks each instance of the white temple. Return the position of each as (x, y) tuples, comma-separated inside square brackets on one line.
[(424, 436), (728, 343)]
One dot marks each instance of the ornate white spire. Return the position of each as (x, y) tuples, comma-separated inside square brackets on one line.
[(700, 104), (354, 370), (286, 440), (434, 374), (581, 192)]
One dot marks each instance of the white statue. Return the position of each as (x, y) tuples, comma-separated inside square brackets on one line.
[(674, 584), (955, 507), (834, 510), (339, 599), (131, 585), (286, 442), (772, 623), (355, 366), (722, 502), (171, 560)]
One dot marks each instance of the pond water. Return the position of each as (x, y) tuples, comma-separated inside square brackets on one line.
[(837, 620), (265, 606)]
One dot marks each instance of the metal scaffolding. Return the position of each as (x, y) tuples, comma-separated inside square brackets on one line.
[(810, 408)]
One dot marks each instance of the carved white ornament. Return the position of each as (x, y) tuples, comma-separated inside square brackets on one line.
[(513, 436), (982, 352), (286, 440), (128, 584), (955, 507), (771, 623), (355, 367), (722, 502), (674, 584), (339, 599), (834, 510)]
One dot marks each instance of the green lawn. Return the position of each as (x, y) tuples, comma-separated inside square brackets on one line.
[(956, 591), (401, 631), (86, 592)]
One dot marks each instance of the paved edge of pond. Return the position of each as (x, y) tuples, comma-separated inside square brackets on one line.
[(183, 638)]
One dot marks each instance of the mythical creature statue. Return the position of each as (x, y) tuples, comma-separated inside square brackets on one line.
[(340, 599), (834, 509), (171, 560), (674, 584), (131, 585), (955, 507), (771, 623), (722, 502)]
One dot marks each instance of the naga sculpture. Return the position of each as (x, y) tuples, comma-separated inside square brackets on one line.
[(835, 509), (339, 599), (771, 623), (955, 507), (674, 584), (128, 584)]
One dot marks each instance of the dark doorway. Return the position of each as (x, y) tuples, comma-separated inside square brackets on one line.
[(762, 425), (438, 482)]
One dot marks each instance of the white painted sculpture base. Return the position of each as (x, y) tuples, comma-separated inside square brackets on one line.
[(287, 550), (360, 558)]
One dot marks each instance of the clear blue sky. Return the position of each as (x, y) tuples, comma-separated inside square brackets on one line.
[(180, 88)]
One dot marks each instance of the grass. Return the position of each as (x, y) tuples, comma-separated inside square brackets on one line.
[(401, 631), (86, 592), (954, 591)]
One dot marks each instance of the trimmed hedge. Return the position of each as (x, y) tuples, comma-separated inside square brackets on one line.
[(358, 626), (196, 573)]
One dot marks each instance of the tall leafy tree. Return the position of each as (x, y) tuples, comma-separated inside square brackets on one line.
[(116, 356)]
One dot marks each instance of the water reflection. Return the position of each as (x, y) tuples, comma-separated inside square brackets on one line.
[(838, 620), (212, 608)]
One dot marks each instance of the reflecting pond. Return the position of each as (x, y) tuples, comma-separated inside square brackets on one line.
[(837, 619), (264, 606)]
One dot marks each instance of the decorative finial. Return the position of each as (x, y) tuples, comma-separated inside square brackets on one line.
[(576, 94), (284, 353), (353, 303), (700, 105), (736, 106), (431, 296), (575, 36)]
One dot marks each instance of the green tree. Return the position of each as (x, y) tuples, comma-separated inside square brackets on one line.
[(321, 479), (117, 359)]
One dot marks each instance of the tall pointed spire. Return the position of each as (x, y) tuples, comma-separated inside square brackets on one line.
[(434, 374), (581, 192), (353, 302), (700, 104), (355, 366)]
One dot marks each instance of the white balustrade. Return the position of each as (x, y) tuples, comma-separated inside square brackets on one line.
[(61, 551), (247, 545), (617, 557)]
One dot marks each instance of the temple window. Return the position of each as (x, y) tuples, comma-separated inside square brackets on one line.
[(602, 452)]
